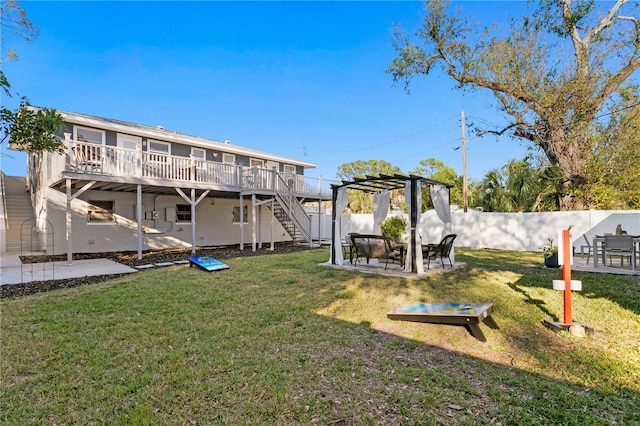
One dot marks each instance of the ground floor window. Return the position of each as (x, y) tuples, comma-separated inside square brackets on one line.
[(236, 214), (183, 213), (100, 211)]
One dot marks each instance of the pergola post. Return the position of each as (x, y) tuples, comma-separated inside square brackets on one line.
[(334, 198), (413, 219)]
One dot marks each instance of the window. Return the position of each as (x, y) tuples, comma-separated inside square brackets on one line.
[(228, 158), (271, 165), (289, 169), (159, 147), (256, 162), (236, 214), (183, 213), (82, 134), (128, 142), (198, 154), (100, 211)]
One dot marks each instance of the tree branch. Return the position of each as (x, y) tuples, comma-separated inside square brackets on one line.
[(605, 22), (614, 82)]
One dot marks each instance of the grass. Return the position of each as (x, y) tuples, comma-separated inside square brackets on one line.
[(280, 339)]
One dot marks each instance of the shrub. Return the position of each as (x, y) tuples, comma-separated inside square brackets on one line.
[(393, 227)]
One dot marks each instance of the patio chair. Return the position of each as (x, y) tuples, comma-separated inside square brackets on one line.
[(441, 250), (348, 247), (87, 158), (620, 245), (591, 250)]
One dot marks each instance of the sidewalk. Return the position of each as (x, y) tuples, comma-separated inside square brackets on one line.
[(12, 271)]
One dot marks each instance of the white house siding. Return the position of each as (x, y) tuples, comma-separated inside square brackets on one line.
[(214, 225)]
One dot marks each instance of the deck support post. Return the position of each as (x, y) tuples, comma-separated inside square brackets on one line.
[(253, 222), (241, 223), (139, 218)]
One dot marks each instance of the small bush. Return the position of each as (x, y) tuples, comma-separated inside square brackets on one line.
[(393, 227)]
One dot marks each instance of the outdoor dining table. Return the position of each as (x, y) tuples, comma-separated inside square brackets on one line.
[(599, 240)]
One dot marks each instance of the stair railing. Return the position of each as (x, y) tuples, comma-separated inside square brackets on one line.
[(293, 208)]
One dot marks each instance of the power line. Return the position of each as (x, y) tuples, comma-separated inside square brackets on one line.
[(367, 148), (597, 117)]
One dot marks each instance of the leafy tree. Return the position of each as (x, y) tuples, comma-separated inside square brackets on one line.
[(615, 167), (494, 194), (360, 201), (362, 169), (435, 169), (521, 184), (15, 22), (552, 72), (30, 129), (549, 177)]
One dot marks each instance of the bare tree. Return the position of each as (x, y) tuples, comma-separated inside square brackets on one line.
[(552, 71)]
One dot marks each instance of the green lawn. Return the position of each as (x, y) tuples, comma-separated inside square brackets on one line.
[(280, 339)]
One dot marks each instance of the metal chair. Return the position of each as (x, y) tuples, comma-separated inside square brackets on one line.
[(620, 245), (591, 250), (441, 250)]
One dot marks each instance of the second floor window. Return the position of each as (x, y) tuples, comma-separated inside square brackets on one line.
[(158, 151), (256, 162), (198, 154), (228, 158), (82, 134)]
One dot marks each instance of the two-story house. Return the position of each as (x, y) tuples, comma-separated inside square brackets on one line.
[(121, 186)]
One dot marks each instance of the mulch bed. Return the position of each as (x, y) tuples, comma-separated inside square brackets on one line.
[(130, 258)]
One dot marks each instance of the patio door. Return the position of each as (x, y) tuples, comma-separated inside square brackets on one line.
[(126, 156)]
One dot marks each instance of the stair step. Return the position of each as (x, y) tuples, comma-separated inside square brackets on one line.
[(19, 210)]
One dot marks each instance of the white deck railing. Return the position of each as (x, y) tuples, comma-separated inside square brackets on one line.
[(94, 159)]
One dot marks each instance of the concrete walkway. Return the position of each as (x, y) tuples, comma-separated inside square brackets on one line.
[(13, 271)]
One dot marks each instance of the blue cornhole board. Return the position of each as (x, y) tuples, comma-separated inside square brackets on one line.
[(207, 263)]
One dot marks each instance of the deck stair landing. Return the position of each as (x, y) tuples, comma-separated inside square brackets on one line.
[(19, 209)]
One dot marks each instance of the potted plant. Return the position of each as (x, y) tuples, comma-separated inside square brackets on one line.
[(393, 228), (550, 252)]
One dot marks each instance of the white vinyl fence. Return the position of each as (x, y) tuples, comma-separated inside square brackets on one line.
[(510, 231)]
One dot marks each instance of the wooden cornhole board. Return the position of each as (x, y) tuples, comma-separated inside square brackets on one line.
[(469, 315), (207, 263)]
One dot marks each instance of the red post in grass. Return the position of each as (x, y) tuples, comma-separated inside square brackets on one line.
[(566, 275)]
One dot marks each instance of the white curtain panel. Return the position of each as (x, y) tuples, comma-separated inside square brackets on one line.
[(341, 203), (440, 199), (381, 203)]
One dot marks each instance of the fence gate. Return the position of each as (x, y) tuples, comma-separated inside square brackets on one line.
[(36, 239)]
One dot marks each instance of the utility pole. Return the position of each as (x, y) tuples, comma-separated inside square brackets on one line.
[(464, 163)]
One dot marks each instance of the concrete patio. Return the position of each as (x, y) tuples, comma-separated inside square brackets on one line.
[(580, 264)]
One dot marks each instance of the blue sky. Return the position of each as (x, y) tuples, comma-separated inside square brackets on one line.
[(301, 79)]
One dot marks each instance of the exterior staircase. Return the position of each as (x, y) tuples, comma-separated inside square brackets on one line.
[(287, 223), (17, 202), (291, 214)]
